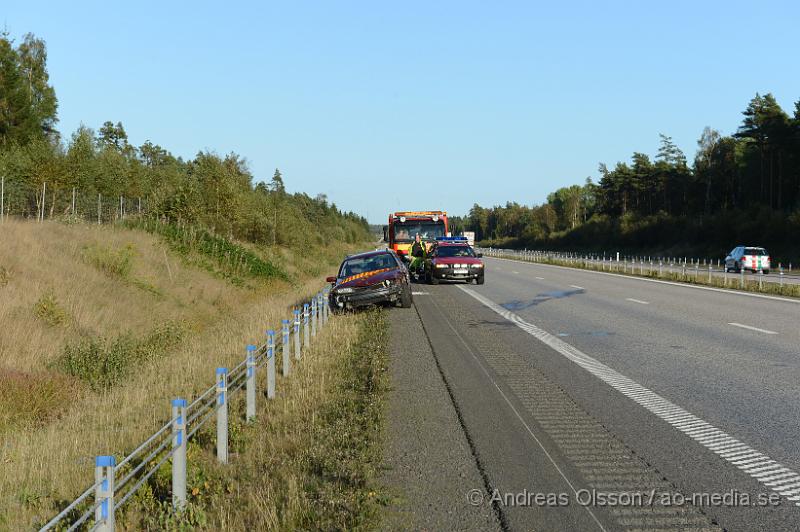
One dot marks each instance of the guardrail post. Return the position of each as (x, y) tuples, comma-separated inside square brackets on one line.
[(741, 277), (314, 316), (323, 301), (104, 492), (297, 334), (709, 273), (760, 279), (251, 383), (270, 364), (285, 347), (780, 276), (179, 454), (305, 325), (222, 415)]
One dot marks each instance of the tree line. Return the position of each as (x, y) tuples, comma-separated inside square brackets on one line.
[(740, 186), (220, 193)]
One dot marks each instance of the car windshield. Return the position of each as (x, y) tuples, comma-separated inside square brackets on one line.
[(358, 265), (454, 251), (755, 251), (405, 232)]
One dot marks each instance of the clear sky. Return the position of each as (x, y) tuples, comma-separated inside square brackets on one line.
[(411, 105)]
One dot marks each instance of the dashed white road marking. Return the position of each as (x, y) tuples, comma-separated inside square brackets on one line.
[(515, 272), (755, 464), (637, 301), (751, 328), (419, 293), (540, 278), (578, 287)]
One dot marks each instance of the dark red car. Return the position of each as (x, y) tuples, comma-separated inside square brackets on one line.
[(454, 260), (370, 278)]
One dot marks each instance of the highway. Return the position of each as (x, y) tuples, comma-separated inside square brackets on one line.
[(643, 265), (566, 381)]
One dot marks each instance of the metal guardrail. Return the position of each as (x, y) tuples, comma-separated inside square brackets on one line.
[(95, 508), (685, 268)]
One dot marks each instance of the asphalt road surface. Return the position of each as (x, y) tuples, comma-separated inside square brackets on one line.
[(599, 402)]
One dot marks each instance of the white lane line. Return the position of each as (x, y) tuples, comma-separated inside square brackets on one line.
[(636, 301), (751, 328), (751, 462), (419, 293), (540, 278), (578, 287), (515, 272)]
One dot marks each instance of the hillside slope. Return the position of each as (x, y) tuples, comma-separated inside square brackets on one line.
[(101, 327)]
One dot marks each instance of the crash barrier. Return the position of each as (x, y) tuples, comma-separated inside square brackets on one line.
[(116, 481), (677, 268)]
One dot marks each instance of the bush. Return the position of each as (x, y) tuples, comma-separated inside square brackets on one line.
[(102, 363), (32, 399), (48, 310), (114, 262)]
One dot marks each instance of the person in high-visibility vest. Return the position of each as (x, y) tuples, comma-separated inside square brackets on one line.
[(417, 253)]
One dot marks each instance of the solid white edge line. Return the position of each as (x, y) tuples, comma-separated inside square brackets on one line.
[(645, 279), (751, 328), (652, 402)]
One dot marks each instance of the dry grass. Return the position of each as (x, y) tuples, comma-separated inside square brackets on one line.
[(308, 462), (48, 457)]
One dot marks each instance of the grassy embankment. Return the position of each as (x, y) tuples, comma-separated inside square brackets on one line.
[(101, 326)]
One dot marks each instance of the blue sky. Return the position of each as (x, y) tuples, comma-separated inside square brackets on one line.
[(389, 106)]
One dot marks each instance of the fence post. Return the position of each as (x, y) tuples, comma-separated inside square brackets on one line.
[(314, 315), (222, 415), (305, 325), (270, 364), (285, 346), (179, 454), (323, 306), (297, 334), (104, 492), (251, 383)]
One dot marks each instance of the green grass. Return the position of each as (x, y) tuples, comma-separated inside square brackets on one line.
[(102, 363), (309, 462), (215, 253), (49, 310)]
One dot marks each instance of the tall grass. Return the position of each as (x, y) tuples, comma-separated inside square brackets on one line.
[(106, 373)]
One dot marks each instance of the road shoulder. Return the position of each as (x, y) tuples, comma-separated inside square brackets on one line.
[(428, 465)]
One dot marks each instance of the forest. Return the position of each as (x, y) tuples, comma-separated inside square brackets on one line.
[(100, 174), (742, 188)]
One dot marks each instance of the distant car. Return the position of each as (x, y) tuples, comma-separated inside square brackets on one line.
[(748, 258), (370, 278), (453, 259)]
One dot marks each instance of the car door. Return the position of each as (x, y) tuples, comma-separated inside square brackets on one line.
[(730, 260)]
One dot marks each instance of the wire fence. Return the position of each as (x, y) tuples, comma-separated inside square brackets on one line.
[(43, 201), (711, 272), (116, 482)]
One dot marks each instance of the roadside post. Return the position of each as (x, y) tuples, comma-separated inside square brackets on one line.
[(222, 415), (270, 364), (104, 492), (305, 325), (251, 383), (297, 334), (285, 346), (179, 454), (314, 316)]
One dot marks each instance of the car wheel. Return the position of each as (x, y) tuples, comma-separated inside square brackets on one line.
[(406, 299), (479, 279), (766, 272), (738, 268)]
